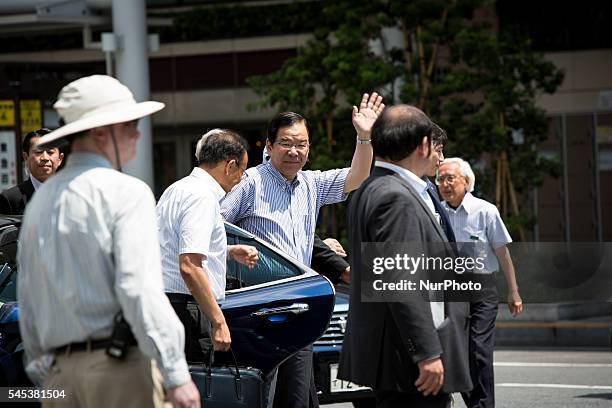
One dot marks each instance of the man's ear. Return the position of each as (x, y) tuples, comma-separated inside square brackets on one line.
[(24, 156), (100, 133), (423, 148), (268, 146), (228, 166)]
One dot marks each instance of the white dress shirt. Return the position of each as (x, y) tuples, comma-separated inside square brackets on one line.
[(478, 223), (35, 183), (420, 185), (189, 221), (88, 248)]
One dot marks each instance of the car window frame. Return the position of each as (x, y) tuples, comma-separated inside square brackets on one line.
[(239, 233)]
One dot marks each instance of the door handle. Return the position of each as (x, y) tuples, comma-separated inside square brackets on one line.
[(295, 309)]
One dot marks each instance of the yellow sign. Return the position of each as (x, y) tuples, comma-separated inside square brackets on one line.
[(30, 114), (7, 113), (604, 134)]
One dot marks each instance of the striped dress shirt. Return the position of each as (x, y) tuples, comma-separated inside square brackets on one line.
[(88, 248), (281, 212), (478, 223)]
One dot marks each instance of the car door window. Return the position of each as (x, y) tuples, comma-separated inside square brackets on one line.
[(231, 278), (270, 266), (8, 275)]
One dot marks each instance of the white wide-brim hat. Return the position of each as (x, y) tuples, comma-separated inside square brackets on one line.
[(94, 101)]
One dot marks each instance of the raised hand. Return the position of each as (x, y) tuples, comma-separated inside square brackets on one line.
[(364, 117)]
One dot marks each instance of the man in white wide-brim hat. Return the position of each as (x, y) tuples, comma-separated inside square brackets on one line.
[(89, 254)]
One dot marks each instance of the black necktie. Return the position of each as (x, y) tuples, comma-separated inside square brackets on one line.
[(448, 230)]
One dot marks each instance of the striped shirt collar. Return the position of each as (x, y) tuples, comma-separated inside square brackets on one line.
[(416, 182), (215, 187), (279, 178)]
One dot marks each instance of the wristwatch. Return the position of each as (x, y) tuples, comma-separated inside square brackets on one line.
[(364, 141)]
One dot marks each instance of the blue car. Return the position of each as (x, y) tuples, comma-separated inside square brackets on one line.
[(273, 310)]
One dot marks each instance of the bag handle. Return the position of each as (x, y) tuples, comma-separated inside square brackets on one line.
[(208, 379)]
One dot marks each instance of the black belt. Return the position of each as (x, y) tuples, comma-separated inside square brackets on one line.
[(83, 345), (180, 297)]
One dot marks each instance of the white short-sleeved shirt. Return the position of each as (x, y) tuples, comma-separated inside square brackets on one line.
[(477, 221), (189, 221)]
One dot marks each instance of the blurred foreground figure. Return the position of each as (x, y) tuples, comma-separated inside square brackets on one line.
[(90, 284)]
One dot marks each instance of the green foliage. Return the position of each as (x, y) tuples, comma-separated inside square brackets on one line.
[(478, 84), (508, 76)]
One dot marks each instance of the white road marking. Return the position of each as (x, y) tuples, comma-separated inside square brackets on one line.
[(556, 365), (566, 386)]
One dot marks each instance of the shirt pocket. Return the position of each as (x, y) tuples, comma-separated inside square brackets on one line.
[(479, 248)]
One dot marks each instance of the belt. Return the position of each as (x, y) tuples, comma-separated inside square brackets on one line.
[(83, 345), (180, 297)]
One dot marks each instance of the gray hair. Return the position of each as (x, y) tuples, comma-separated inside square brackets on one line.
[(205, 136), (466, 171)]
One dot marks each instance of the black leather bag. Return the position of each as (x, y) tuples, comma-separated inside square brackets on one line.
[(228, 386)]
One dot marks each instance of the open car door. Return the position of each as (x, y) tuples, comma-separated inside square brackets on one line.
[(275, 309)]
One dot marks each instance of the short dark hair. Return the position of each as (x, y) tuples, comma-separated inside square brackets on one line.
[(398, 131), (27, 140), (285, 119), (438, 135), (223, 146)]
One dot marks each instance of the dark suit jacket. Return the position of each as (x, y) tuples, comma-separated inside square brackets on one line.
[(446, 225), (326, 261), (14, 200), (385, 341)]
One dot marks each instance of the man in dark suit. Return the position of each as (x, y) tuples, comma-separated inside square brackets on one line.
[(438, 139), (410, 352), (41, 164), (328, 259)]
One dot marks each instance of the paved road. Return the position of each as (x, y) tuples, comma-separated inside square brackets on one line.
[(549, 378)]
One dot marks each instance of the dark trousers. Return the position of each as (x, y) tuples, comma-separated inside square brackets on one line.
[(197, 327), (295, 386), (405, 400), (481, 344)]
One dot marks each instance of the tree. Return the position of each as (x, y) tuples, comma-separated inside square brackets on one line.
[(328, 75), (477, 83)]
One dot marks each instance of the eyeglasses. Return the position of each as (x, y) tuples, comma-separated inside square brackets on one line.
[(300, 147), (450, 179)]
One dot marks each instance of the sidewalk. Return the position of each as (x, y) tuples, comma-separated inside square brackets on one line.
[(556, 325)]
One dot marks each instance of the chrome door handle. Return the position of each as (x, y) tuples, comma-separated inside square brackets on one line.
[(295, 309)]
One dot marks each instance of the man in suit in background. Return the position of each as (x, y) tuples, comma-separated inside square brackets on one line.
[(41, 164), (438, 140), (408, 352)]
